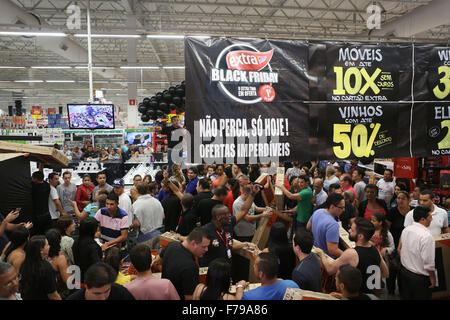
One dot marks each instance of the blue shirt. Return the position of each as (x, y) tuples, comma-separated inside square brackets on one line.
[(275, 291), (192, 187), (325, 229), (162, 195)]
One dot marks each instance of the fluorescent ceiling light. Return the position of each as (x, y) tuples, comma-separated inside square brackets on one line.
[(82, 35), (174, 67), (51, 67), (60, 81), (130, 67), (32, 34), (101, 68), (28, 81), (162, 36), (8, 67)]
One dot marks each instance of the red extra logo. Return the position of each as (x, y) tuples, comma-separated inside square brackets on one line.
[(248, 60)]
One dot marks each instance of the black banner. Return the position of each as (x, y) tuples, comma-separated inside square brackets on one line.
[(244, 100), (317, 100)]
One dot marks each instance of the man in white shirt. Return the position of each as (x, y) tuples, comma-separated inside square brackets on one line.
[(125, 205), (359, 185), (330, 178), (439, 224), (148, 217), (386, 186), (320, 196), (417, 250), (54, 204)]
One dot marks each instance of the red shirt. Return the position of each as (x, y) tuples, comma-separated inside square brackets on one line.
[(83, 194), (229, 200)]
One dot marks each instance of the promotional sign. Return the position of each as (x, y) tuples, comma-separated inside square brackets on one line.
[(36, 112), (360, 130), (245, 100), (358, 72), (431, 119)]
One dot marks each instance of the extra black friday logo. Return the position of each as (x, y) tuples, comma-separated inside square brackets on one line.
[(244, 74)]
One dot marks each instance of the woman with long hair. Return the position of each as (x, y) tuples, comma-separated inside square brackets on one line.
[(66, 225), (14, 252), (84, 192), (372, 204), (86, 250), (279, 244), (58, 261), (382, 239), (218, 281), (38, 281), (221, 178)]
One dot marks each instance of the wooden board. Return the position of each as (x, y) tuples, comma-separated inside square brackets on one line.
[(268, 194), (442, 264), (167, 238), (279, 195), (251, 286), (299, 294), (47, 155)]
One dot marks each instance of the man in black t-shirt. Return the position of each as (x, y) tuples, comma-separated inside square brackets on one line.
[(348, 283), (188, 218), (205, 205), (40, 191), (99, 280), (220, 230), (203, 191), (179, 265)]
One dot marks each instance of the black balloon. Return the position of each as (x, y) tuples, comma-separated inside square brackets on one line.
[(172, 90), (179, 92), (158, 96), (163, 105), (145, 118), (167, 97), (146, 100), (142, 109), (159, 114), (153, 104), (177, 100)]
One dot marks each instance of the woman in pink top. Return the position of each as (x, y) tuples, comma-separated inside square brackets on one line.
[(221, 178), (368, 207)]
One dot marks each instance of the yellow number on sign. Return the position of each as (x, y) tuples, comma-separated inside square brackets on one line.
[(445, 143), (442, 94), (358, 81), (340, 136), (359, 140), (339, 83)]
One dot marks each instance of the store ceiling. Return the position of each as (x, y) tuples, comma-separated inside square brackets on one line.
[(284, 19)]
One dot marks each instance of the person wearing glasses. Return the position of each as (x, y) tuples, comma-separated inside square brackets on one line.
[(324, 226), (9, 282)]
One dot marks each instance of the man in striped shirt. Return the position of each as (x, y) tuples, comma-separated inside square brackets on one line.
[(113, 223)]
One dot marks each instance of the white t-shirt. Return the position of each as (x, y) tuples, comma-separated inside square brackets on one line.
[(329, 181), (51, 203), (125, 205), (439, 221), (386, 190), (149, 212)]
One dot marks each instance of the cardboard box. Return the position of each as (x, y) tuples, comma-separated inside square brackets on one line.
[(268, 194), (442, 264), (167, 238), (299, 294)]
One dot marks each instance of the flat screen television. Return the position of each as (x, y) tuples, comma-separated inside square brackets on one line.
[(91, 116), (141, 138)]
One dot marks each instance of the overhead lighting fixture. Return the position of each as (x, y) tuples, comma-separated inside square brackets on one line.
[(162, 36), (130, 67), (97, 68), (9, 67), (174, 67), (32, 34), (51, 67), (60, 81), (28, 80), (83, 35)]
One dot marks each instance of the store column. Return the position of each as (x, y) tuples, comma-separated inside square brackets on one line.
[(132, 111)]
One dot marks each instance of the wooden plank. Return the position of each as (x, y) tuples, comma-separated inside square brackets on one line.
[(166, 238), (267, 194), (279, 195), (442, 264), (7, 156), (299, 294), (48, 155)]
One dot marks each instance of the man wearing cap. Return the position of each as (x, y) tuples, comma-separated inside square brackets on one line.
[(126, 205)]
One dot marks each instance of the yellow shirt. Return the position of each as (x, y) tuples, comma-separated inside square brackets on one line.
[(122, 279)]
